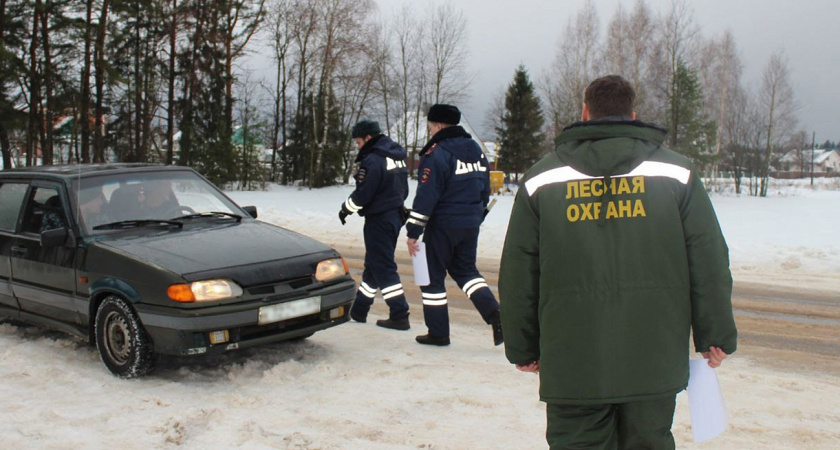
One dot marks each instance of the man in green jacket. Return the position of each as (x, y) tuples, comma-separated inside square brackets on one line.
[(613, 256)]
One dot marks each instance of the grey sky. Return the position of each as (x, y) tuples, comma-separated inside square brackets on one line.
[(505, 33)]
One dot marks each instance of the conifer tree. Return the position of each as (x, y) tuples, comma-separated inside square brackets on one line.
[(520, 133)]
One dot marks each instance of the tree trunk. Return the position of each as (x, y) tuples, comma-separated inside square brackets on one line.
[(84, 113), (32, 146), (170, 114), (47, 113), (99, 110)]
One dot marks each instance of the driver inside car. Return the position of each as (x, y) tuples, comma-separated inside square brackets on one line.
[(157, 200)]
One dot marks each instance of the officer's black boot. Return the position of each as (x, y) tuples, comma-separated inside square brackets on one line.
[(496, 323), (356, 315), (432, 340), (400, 323)]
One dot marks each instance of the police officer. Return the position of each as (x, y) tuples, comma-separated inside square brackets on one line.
[(452, 193), (381, 188)]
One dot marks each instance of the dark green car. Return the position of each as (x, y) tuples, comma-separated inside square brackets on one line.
[(149, 259)]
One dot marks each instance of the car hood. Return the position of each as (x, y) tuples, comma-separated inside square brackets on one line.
[(208, 249)]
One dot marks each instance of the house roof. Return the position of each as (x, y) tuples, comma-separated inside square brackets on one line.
[(820, 155), (418, 138)]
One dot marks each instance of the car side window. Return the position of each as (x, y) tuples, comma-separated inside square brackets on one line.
[(11, 199), (44, 211)]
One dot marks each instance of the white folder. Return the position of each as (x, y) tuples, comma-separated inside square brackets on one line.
[(705, 401), (421, 266)]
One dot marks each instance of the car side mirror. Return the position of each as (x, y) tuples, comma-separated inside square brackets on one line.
[(251, 210), (54, 238)]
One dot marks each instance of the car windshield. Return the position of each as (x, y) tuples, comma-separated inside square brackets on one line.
[(143, 198)]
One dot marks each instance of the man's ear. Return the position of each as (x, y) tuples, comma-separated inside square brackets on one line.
[(584, 116), (633, 115)]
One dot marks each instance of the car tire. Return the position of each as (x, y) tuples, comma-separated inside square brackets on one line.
[(123, 343)]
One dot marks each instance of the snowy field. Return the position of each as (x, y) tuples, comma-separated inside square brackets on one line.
[(358, 386)]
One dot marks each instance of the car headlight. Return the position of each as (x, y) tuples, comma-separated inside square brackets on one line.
[(203, 291), (330, 269)]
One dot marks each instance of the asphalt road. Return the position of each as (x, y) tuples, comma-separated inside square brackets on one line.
[(791, 328)]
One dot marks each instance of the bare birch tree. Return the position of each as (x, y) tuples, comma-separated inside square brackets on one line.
[(778, 107), (575, 65), (447, 38)]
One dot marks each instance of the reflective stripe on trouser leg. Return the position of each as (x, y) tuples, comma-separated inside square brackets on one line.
[(436, 313), (364, 297), (395, 299), (481, 296), (381, 232), (438, 255)]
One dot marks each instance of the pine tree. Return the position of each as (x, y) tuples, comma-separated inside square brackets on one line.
[(520, 135), (692, 133)]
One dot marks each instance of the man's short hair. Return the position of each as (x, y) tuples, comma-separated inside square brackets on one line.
[(611, 95)]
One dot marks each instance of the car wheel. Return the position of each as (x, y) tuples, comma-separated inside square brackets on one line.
[(123, 344)]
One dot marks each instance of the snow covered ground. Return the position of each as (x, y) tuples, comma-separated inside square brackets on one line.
[(358, 386)]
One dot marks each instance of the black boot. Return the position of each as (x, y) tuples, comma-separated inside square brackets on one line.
[(496, 323), (395, 324), (357, 317), (432, 340)]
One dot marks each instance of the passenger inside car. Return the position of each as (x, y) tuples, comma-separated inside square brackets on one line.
[(125, 203), (92, 206), (53, 214)]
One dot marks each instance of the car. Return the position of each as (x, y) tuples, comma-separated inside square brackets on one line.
[(144, 260)]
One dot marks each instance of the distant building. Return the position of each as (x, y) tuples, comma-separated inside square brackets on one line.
[(799, 163)]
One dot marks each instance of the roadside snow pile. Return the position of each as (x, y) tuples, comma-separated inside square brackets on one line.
[(793, 233)]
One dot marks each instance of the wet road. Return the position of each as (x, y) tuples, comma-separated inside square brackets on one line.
[(797, 326)]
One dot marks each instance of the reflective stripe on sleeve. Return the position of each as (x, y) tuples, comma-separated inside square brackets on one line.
[(418, 216), (351, 205), (414, 221)]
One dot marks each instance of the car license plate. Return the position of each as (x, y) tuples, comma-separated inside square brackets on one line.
[(289, 310)]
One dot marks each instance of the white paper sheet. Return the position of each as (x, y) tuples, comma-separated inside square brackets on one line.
[(421, 266), (705, 401)]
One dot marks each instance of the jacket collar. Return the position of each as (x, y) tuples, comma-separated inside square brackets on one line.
[(368, 147), (446, 133), (612, 128)]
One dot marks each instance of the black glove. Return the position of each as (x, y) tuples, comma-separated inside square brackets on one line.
[(404, 212), (485, 213), (342, 215)]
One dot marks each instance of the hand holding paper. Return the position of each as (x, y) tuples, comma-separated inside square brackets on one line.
[(421, 266)]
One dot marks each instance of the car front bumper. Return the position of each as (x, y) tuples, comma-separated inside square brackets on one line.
[(187, 332)]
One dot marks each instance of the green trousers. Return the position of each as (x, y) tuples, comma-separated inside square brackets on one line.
[(632, 425)]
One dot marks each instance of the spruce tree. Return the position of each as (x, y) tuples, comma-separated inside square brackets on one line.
[(520, 135)]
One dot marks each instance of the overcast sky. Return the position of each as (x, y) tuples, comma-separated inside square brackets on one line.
[(505, 33)]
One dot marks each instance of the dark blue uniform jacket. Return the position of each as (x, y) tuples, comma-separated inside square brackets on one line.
[(454, 183), (382, 178)]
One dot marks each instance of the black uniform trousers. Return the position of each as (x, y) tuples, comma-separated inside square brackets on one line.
[(453, 250), (381, 232), (632, 425)]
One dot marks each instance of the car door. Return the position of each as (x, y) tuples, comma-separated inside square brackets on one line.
[(12, 194), (43, 277)]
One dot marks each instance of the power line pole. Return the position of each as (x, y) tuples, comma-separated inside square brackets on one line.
[(813, 144)]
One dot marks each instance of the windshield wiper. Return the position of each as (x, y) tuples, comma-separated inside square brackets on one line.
[(211, 214), (136, 223)]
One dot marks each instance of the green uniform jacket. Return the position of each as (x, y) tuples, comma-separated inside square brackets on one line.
[(612, 256)]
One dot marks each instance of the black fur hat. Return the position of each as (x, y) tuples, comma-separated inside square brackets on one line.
[(447, 114), (366, 127)]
